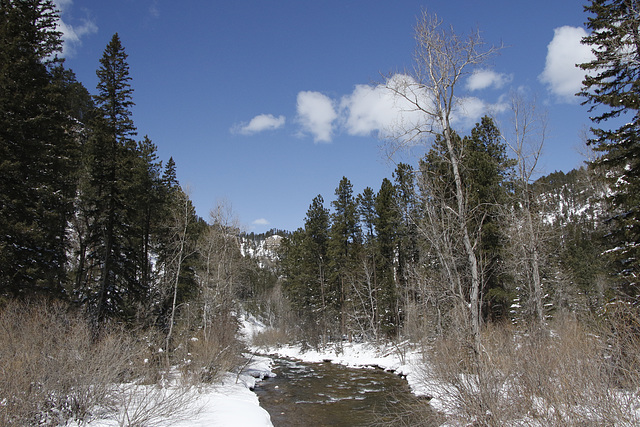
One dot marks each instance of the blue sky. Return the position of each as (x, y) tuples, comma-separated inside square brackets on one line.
[(266, 104)]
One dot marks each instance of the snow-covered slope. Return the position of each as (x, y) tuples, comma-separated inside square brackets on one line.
[(263, 250), (577, 195)]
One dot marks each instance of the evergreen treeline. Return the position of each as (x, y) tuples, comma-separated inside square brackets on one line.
[(389, 262), (88, 213)]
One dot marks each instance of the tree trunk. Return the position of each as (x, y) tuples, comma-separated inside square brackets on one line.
[(474, 293)]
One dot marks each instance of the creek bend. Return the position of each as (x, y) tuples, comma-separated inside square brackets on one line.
[(327, 394)]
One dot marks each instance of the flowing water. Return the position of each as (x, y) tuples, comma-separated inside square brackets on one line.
[(326, 394)]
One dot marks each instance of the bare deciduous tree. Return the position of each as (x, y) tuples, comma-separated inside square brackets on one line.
[(442, 58), (525, 141), (181, 217)]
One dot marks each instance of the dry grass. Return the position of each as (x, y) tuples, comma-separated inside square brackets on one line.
[(566, 376), (54, 370), (203, 354)]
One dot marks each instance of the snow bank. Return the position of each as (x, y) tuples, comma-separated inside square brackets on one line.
[(229, 403)]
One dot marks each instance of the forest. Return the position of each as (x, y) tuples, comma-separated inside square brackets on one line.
[(518, 289)]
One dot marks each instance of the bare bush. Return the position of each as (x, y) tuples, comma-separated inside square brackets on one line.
[(561, 378), (202, 355), (153, 405), (50, 368), (55, 369), (271, 338), (622, 334)]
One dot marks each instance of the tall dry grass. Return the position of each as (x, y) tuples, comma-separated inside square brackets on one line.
[(567, 375), (54, 369)]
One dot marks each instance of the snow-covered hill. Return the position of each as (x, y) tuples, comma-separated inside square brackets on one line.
[(264, 250), (575, 196)]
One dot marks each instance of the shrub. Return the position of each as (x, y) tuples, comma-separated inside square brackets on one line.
[(563, 376), (54, 369)]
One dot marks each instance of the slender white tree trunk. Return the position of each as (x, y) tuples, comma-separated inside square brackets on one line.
[(474, 293), (182, 236)]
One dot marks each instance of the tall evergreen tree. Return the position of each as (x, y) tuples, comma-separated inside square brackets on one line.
[(345, 240), (306, 260), (304, 265), (112, 195), (147, 192), (613, 89), (344, 229), (408, 217), (38, 151), (366, 289), (316, 241), (315, 247), (291, 258), (387, 223), (487, 170), (367, 210)]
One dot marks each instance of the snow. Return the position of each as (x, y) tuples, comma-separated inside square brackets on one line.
[(229, 403)]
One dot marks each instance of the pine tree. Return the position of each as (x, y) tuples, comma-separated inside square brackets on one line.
[(307, 253), (316, 241), (114, 96), (112, 196), (487, 170), (169, 176), (38, 151), (367, 291), (613, 86), (147, 193), (408, 217), (387, 222), (343, 247), (367, 210), (291, 260)]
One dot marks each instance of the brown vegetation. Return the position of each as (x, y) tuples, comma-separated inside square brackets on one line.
[(54, 368), (571, 375)]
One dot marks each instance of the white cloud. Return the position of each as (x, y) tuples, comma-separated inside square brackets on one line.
[(72, 35), (62, 4), (368, 109), (316, 114), (470, 109), (379, 109), (260, 123), (260, 221), (389, 110), (482, 79), (561, 74)]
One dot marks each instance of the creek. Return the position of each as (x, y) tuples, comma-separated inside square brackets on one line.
[(327, 394)]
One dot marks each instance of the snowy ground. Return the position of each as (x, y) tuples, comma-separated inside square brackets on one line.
[(231, 402)]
